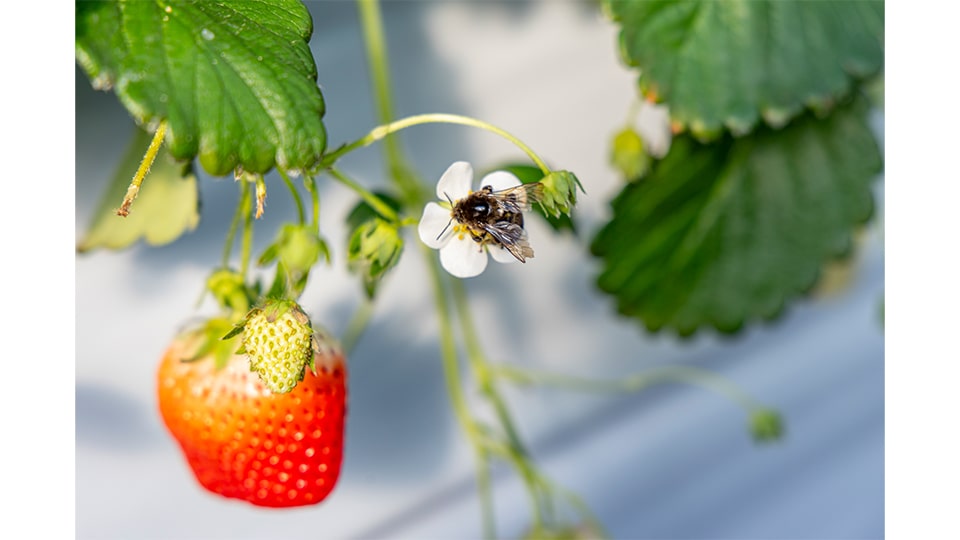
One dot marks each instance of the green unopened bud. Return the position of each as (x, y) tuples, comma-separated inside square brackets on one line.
[(298, 247), (559, 192), (229, 290), (629, 154), (766, 425), (374, 248)]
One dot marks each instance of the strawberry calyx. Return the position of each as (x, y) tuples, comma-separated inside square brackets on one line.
[(208, 343)]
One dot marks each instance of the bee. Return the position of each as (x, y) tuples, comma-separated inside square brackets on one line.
[(496, 217)]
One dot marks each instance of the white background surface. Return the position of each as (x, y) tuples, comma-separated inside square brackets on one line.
[(674, 462)]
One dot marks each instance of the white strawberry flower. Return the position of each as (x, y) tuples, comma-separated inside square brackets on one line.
[(460, 254)]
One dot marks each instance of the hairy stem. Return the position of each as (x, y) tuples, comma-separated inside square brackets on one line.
[(142, 170)]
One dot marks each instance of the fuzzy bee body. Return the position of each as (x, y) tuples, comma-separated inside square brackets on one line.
[(496, 217)]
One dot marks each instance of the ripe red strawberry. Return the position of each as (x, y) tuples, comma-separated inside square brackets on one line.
[(242, 440)]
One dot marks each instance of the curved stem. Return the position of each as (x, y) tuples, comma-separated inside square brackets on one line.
[(296, 196), (661, 375), (381, 132), (375, 202)]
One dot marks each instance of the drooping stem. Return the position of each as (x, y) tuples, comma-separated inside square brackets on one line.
[(380, 132), (375, 202), (143, 169), (234, 224), (315, 201), (301, 217), (246, 241)]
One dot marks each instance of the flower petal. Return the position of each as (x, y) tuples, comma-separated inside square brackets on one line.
[(432, 224), (455, 182), (500, 254), (500, 180), (463, 257)]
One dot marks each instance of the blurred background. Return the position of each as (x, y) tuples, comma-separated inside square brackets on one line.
[(670, 462)]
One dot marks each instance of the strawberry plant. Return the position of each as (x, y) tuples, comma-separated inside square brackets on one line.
[(767, 177)]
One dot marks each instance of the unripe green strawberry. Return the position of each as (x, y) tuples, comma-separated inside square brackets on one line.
[(277, 339)]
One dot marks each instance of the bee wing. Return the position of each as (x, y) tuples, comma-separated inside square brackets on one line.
[(512, 237), (519, 198)]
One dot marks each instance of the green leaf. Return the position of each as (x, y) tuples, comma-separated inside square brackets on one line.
[(235, 80), (528, 174), (723, 64), (722, 233), (167, 206)]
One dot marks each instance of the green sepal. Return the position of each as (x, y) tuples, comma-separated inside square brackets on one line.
[(363, 212), (373, 249), (560, 192), (298, 247), (211, 344), (234, 331), (530, 174)]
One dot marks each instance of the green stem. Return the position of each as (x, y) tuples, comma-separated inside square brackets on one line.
[(315, 201), (234, 223), (246, 241), (296, 196), (478, 438), (356, 326), (383, 131), (486, 494), (374, 38), (375, 202), (481, 369), (661, 375), (448, 348)]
